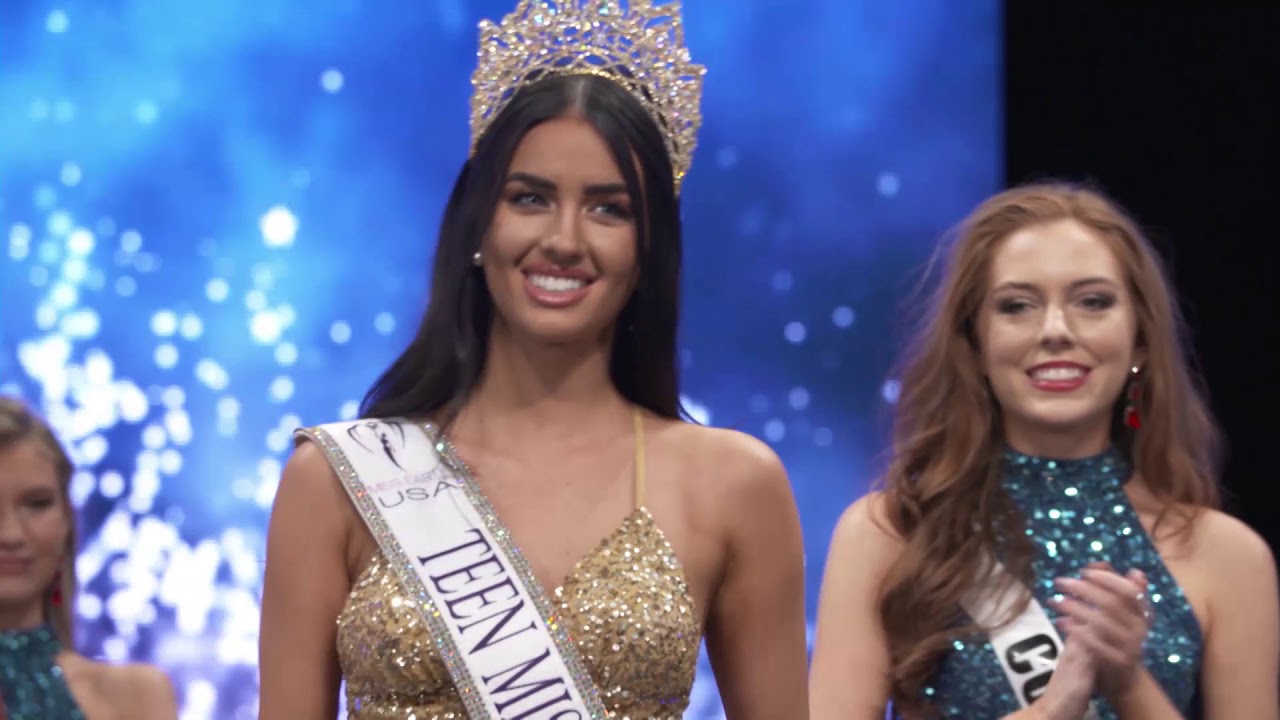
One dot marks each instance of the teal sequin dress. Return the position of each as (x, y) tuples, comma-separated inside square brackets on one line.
[(1076, 512), (31, 682)]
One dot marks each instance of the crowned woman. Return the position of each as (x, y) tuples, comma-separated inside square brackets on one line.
[(521, 524)]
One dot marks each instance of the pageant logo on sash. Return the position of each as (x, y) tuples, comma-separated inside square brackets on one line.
[(485, 610), (389, 436)]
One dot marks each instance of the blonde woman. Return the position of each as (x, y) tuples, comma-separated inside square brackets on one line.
[(40, 675)]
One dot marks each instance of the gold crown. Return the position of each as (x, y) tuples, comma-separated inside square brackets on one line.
[(640, 47)]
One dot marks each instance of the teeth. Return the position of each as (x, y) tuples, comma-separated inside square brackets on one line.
[(556, 284), (1058, 373)]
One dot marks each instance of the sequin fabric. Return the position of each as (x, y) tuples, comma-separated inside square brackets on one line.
[(31, 682), (626, 604), (1076, 512)]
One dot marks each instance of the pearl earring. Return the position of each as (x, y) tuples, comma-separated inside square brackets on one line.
[(477, 259)]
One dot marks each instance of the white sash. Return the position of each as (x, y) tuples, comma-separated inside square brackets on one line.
[(508, 653), (1028, 645)]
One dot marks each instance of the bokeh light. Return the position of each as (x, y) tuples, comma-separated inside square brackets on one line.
[(216, 223)]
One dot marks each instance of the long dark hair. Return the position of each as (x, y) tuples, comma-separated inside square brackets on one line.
[(436, 373)]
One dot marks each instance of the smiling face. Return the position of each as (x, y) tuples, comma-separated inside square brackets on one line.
[(560, 256), (1057, 331), (34, 528)]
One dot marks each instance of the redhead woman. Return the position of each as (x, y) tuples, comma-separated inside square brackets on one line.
[(1047, 542)]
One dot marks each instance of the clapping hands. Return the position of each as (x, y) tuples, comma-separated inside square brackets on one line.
[(1107, 615), (1104, 622)]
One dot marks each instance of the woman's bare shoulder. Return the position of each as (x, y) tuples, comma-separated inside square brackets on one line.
[(147, 689), (727, 458), (133, 690), (867, 525)]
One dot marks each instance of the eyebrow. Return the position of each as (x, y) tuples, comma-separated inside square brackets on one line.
[(540, 183), (38, 491), (1075, 285)]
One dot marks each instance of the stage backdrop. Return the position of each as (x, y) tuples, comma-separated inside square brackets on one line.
[(218, 218)]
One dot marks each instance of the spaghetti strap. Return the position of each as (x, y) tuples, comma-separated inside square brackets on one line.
[(638, 419)]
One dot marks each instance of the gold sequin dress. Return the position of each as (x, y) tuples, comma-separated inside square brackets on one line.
[(626, 604)]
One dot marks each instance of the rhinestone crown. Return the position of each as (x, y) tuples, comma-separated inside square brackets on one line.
[(637, 44)]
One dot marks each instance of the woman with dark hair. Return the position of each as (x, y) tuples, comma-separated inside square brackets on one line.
[(521, 525), (41, 676), (1053, 476)]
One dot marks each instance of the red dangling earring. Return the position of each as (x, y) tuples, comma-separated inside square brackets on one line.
[(1131, 417), (55, 597)]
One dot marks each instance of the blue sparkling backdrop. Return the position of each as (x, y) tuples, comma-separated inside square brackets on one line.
[(217, 219)]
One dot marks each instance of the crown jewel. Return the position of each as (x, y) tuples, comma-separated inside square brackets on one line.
[(640, 46)]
